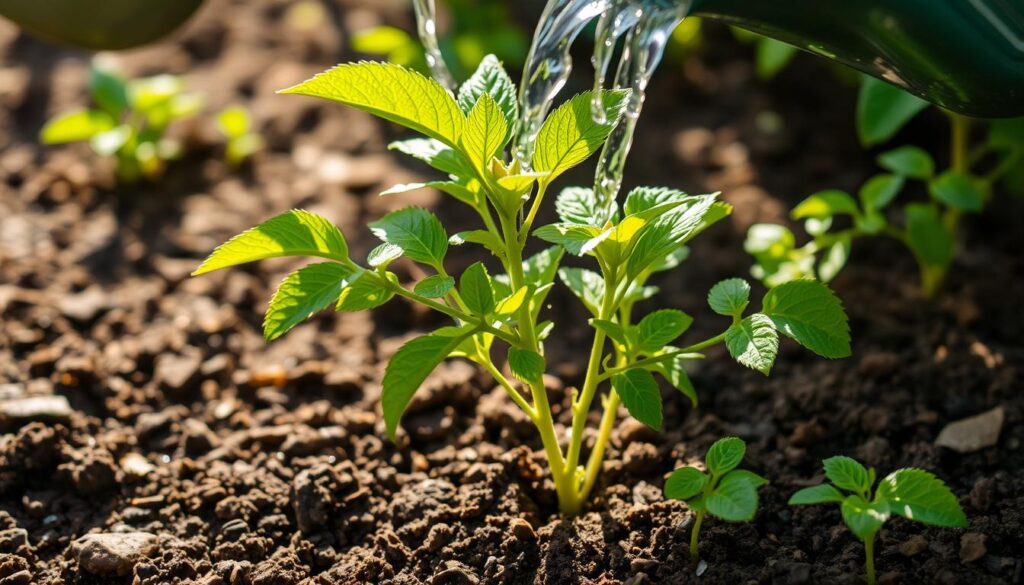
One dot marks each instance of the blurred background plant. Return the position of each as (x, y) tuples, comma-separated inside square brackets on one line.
[(128, 120), (235, 124)]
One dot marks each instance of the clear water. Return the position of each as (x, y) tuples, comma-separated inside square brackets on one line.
[(426, 25)]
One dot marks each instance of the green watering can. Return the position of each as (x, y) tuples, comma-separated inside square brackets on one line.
[(964, 55)]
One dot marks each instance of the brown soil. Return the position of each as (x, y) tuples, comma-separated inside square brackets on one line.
[(257, 464)]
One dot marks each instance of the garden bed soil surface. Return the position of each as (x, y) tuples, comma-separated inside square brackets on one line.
[(143, 405)]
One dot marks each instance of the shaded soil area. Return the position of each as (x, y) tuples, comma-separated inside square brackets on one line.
[(143, 409)]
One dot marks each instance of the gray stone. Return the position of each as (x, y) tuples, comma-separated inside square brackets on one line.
[(114, 553)]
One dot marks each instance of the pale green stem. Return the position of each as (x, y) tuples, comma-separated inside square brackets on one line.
[(869, 555), (695, 537)]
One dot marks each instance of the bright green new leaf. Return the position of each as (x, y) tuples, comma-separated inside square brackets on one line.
[(825, 204), (642, 199), (570, 135), (234, 122), (434, 286), (684, 483), (928, 236), (666, 233), (909, 161), (864, 518), (490, 78), (882, 109), (294, 233), (302, 293), (639, 392), (391, 92), (753, 342), (576, 239), (366, 292), (834, 258), (660, 328), (818, 494), (879, 191), (485, 238), (476, 291), (734, 499), (958, 190), (512, 303), (407, 370), (918, 495), (526, 365), (579, 205), (416, 231), (847, 474), (485, 132), (724, 455), (383, 255), (587, 285), (809, 313), (730, 297), (435, 153), (75, 126)]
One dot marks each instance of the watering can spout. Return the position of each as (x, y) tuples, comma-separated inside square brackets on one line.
[(106, 25), (964, 55)]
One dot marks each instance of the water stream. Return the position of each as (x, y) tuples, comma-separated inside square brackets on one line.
[(426, 26)]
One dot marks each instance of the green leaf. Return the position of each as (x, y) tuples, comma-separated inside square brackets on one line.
[(666, 233), (302, 293), (754, 479), (512, 302), (526, 365), (818, 494), (476, 291), (734, 499), (928, 236), (391, 92), (234, 122), (684, 483), (675, 374), (1006, 134), (724, 455), (109, 142), (918, 495), (611, 329), (587, 285), (880, 190), (658, 329), (808, 312), (416, 231), (772, 56), (730, 297), (958, 190), (579, 205), (407, 370), (639, 392), (366, 292), (909, 161), (108, 89), (826, 204), (483, 237), (864, 518), (383, 255), (642, 199), (753, 342), (294, 233), (671, 260), (769, 239), (436, 154), (539, 272), (75, 126), (435, 286), (847, 474), (485, 133), (834, 258), (570, 135), (490, 78), (576, 239), (882, 109)]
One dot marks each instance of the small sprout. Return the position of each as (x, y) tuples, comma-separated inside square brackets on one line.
[(242, 142), (128, 121), (912, 493), (500, 303), (724, 491)]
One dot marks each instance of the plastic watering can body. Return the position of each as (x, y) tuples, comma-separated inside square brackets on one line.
[(964, 55), (99, 24)]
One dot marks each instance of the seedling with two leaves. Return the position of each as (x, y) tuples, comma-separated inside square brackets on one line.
[(724, 492), (129, 121), (912, 493), (497, 307), (835, 219)]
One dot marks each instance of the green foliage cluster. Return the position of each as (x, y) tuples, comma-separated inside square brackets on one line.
[(926, 225), (235, 124), (912, 493), (497, 307), (128, 121)]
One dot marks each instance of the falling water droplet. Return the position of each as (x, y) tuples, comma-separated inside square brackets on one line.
[(623, 15), (426, 25)]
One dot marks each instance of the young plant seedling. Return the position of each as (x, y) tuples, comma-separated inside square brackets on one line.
[(236, 125), (912, 493), (928, 228), (128, 121), (496, 307), (724, 491)]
